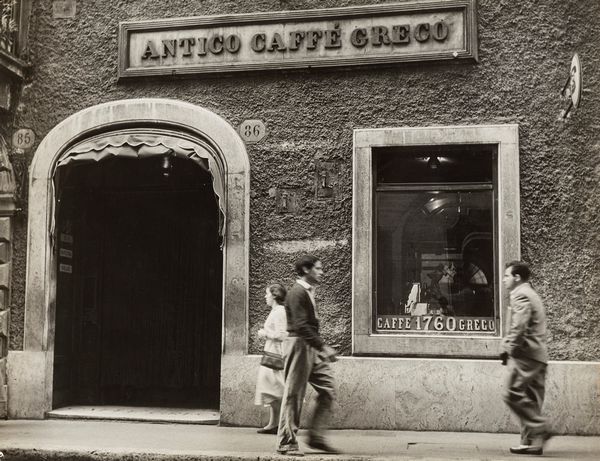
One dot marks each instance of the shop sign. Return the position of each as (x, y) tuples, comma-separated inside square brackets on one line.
[(572, 89), (365, 35), (429, 323)]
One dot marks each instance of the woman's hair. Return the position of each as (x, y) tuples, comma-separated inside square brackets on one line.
[(278, 291)]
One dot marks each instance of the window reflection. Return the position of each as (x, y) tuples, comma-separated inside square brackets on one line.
[(435, 246)]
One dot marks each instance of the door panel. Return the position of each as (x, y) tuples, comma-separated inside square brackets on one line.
[(138, 321), (159, 303)]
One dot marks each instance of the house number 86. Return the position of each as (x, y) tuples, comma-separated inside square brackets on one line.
[(252, 130)]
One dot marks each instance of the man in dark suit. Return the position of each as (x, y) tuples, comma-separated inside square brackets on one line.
[(525, 349), (307, 359)]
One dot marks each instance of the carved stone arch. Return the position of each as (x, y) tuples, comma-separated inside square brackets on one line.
[(35, 362)]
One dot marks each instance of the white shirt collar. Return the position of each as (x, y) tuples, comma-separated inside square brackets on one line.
[(305, 284)]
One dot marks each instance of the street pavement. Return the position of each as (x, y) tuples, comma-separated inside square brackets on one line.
[(133, 441)]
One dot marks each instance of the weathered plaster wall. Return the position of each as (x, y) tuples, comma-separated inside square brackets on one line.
[(525, 51), (19, 161)]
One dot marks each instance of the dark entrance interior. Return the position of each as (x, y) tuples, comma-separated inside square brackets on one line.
[(139, 281)]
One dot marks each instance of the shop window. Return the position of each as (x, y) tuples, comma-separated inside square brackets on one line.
[(435, 217), (434, 240)]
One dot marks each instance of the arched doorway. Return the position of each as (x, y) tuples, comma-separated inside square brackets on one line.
[(137, 241), (43, 298)]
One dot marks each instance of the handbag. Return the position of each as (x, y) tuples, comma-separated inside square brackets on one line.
[(272, 360)]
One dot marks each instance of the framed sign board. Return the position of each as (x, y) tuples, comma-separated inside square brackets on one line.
[(425, 30)]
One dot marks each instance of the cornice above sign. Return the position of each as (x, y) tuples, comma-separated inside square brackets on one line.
[(424, 30)]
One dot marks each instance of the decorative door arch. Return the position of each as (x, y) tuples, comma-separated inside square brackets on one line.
[(32, 369)]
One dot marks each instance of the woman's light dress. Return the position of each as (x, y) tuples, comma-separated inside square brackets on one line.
[(269, 384)]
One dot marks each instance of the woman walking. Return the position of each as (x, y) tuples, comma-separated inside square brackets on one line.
[(269, 385)]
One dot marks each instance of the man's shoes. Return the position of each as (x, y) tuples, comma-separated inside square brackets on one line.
[(547, 436), (294, 452), (289, 451), (264, 430), (322, 446), (527, 450)]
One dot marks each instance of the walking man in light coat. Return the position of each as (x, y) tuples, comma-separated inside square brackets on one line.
[(525, 350)]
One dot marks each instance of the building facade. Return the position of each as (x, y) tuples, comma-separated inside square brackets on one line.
[(184, 154)]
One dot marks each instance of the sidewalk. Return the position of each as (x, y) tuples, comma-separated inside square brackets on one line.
[(99, 441)]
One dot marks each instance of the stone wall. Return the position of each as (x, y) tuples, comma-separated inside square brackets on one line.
[(425, 395), (525, 49)]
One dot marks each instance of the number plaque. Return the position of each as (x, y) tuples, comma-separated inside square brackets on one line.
[(252, 130), (23, 138)]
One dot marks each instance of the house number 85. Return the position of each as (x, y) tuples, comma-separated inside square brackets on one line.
[(23, 138), (252, 130)]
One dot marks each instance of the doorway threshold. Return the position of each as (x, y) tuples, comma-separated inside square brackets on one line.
[(141, 414)]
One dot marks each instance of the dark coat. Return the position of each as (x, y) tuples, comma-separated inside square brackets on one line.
[(301, 317)]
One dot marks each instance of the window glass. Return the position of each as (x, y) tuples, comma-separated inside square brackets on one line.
[(435, 247), (451, 164)]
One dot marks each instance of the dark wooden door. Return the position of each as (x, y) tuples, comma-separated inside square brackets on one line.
[(160, 300), (138, 315), (63, 382)]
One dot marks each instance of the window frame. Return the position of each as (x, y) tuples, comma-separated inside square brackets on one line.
[(364, 340)]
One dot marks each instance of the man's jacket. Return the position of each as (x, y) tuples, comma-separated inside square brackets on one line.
[(301, 317), (527, 334)]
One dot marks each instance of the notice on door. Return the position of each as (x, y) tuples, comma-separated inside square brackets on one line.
[(66, 268), (365, 35)]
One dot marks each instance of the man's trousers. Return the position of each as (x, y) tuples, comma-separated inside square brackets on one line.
[(524, 394), (303, 365)]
